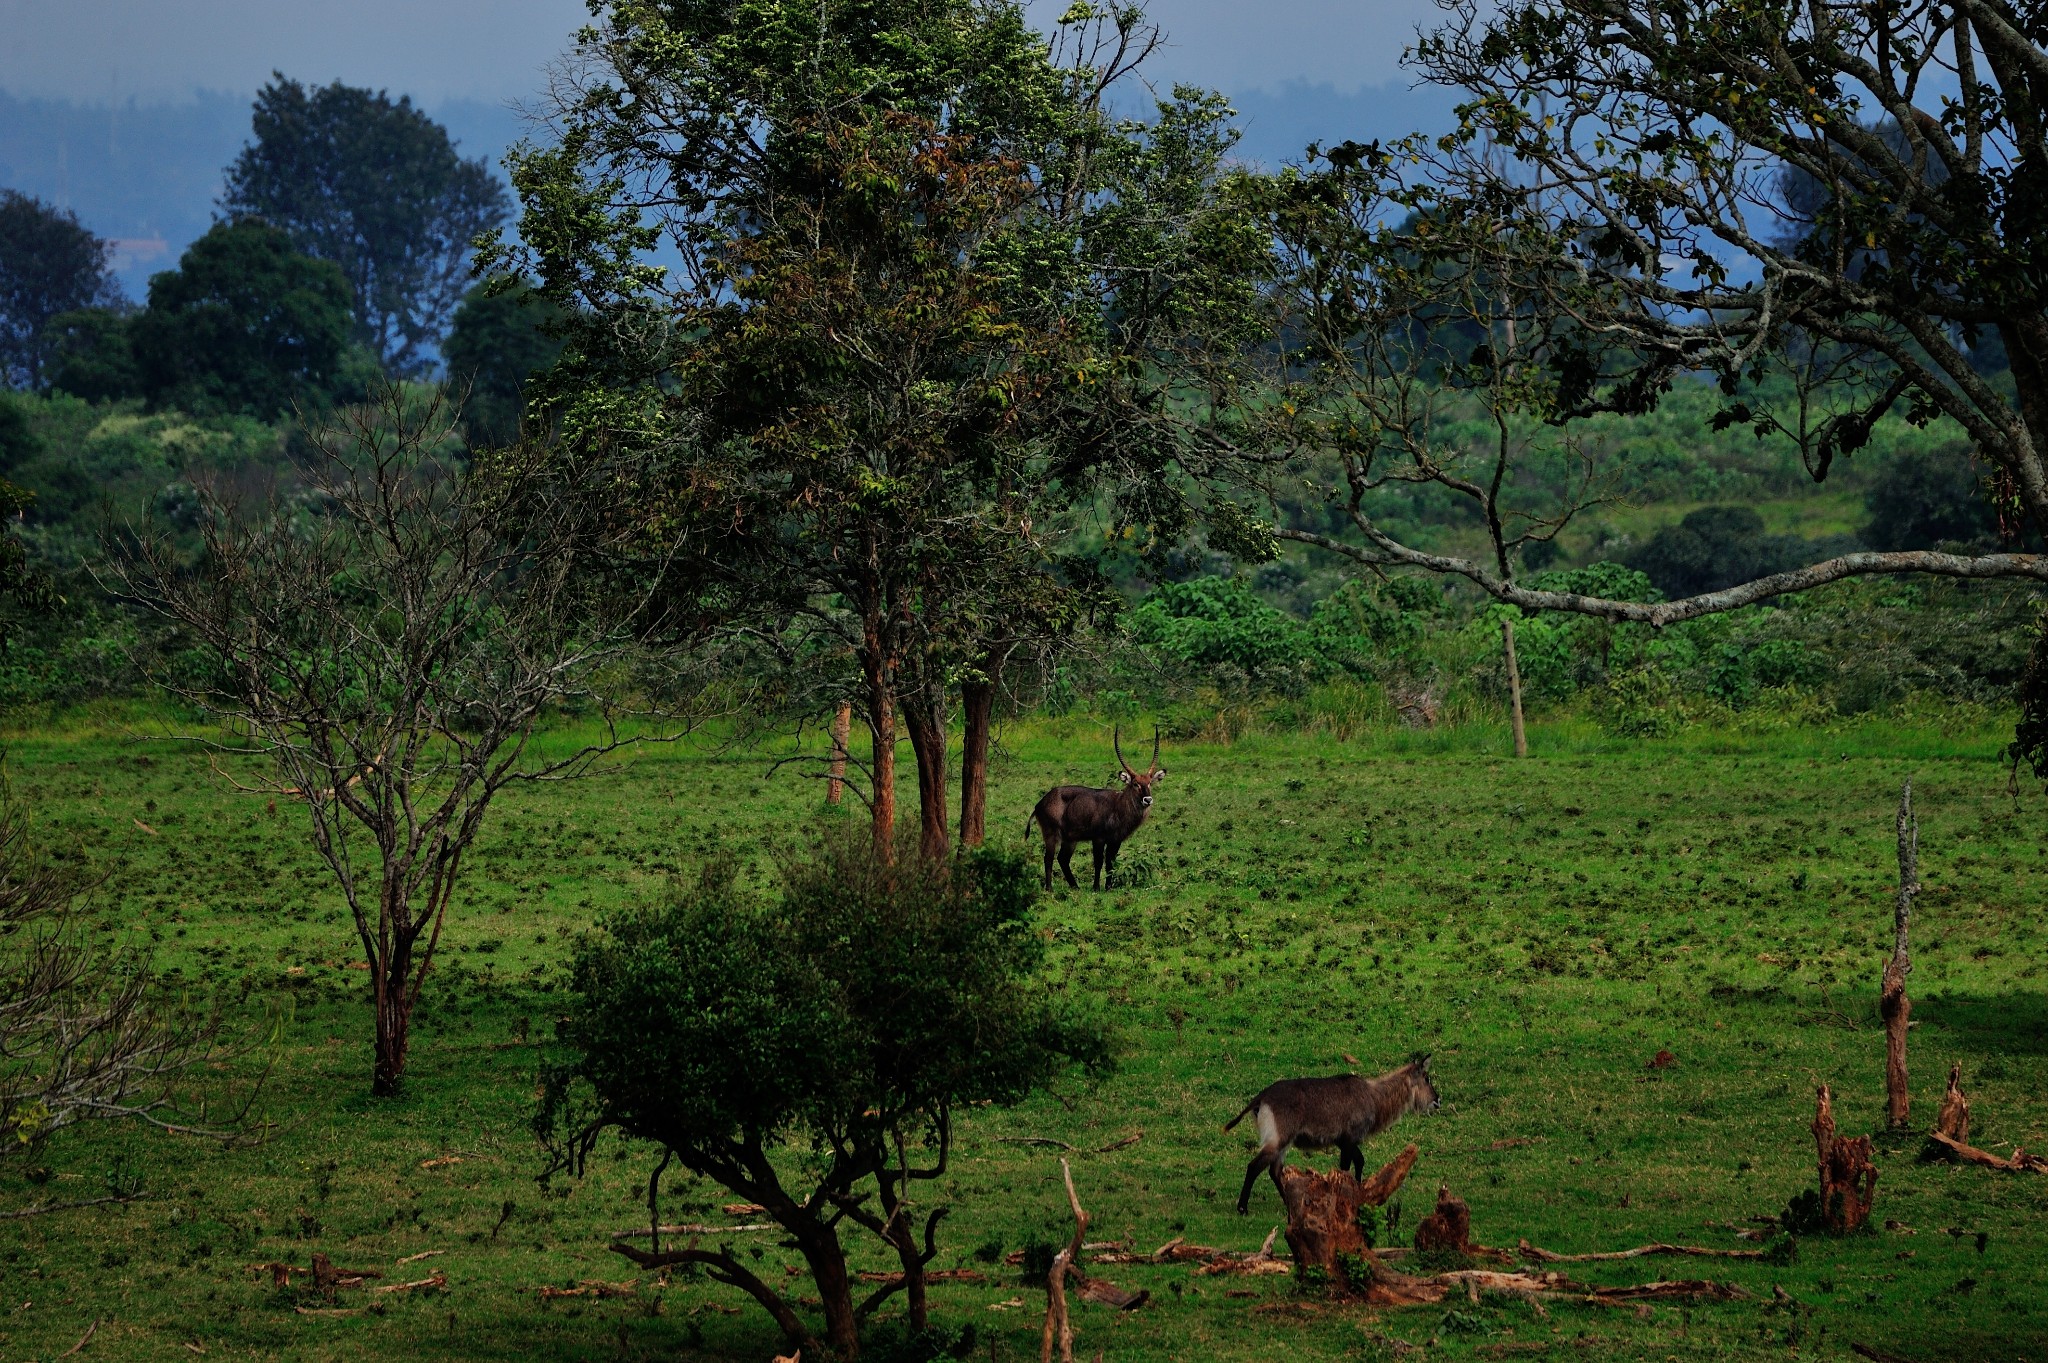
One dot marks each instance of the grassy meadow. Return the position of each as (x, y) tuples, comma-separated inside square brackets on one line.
[(1543, 927)]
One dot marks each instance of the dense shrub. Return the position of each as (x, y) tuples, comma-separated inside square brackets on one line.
[(1925, 499)]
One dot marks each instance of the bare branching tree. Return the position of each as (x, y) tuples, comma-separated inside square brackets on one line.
[(85, 1031), (391, 643)]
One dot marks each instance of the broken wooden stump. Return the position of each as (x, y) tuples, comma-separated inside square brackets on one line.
[(1059, 1325), (1448, 1229), (1953, 1121), (1951, 1136), (1848, 1180), (1323, 1229)]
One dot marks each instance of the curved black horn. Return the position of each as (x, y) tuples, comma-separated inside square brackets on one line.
[(1116, 741), (1155, 747)]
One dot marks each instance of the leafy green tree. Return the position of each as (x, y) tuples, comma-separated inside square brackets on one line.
[(855, 1016), (1634, 150), (92, 355), (1716, 547), (376, 187), (1933, 496), (49, 264), (246, 323), (498, 341), (926, 284)]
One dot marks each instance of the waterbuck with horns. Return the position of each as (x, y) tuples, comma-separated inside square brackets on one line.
[(1102, 818), (1340, 1111)]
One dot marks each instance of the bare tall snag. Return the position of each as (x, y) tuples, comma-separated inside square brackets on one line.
[(1103, 818), (1893, 1005), (389, 646)]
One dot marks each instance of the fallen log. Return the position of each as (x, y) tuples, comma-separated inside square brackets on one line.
[(2020, 1162), (434, 1282), (944, 1275), (1529, 1251)]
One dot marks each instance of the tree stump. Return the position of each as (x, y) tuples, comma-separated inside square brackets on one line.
[(1848, 1180), (1322, 1221), (1449, 1227), (1953, 1121)]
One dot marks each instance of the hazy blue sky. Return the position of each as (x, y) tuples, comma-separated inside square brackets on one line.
[(95, 51)]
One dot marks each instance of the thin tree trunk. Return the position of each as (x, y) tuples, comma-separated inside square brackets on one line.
[(1507, 634), (391, 1002), (1893, 1005), (925, 721), (882, 724), (978, 705), (842, 725)]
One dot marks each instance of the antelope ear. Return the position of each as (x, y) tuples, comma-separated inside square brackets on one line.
[(1424, 1062), (1124, 777), (1159, 775)]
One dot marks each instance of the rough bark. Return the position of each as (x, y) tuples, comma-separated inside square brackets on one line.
[(1507, 636), (1449, 1227), (882, 725), (1953, 1120), (1848, 1180), (1059, 1326), (1893, 1005), (925, 722), (977, 713), (842, 727), (1322, 1221)]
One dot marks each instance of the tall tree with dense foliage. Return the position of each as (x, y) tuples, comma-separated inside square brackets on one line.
[(376, 187), (49, 264), (498, 340), (1622, 163), (246, 323), (852, 1018), (922, 278)]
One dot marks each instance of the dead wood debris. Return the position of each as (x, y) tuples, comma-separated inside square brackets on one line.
[(590, 1287), (944, 1275), (1123, 1144), (1529, 1251), (1848, 1180), (1951, 1134), (1059, 1325), (437, 1281)]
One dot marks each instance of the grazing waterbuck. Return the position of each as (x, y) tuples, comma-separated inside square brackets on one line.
[(1341, 1111), (1102, 818)]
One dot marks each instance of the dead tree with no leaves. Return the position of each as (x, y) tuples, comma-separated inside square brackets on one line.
[(1893, 1005), (390, 644)]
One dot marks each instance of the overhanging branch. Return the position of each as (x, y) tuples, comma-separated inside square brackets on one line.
[(1387, 552)]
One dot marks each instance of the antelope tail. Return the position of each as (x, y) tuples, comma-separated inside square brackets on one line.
[(1243, 1112)]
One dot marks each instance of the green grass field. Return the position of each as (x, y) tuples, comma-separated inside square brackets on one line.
[(1544, 927)]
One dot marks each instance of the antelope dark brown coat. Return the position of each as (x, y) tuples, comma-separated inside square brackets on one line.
[(1104, 817)]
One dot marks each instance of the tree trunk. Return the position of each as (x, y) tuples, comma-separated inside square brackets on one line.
[(977, 710), (827, 1263), (882, 724), (1507, 635), (1893, 1005), (842, 725), (925, 720), (1953, 1120), (391, 1006)]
